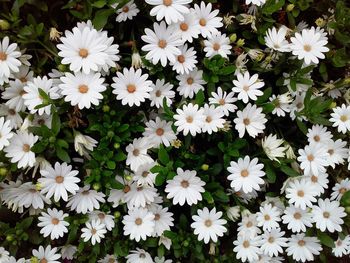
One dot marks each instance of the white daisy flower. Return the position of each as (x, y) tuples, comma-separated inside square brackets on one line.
[(297, 106), (223, 101), (85, 200), (162, 218), (82, 89), (245, 174), (160, 91), (185, 187), (301, 193), (303, 248), (116, 196), (268, 217), (297, 219), (58, 181), (251, 119), (247, 248), (14, 95), (32, 97), (137, 153), (162, 44), (281, 103), (340, 189), (248, 226), (108, 259), (5, 133), (44, 119), (190, 83), (275, 202), (309, 46), (68, 252), (188, 29), (171, 10), (159, 132), (213, 119), (328, 215), (341, 246), (318, 134), (93, 230), (9, 61), (81, 54), (186, 61), (208, 225), (4, 255), (131, 87), (271, 146), (255, 2), (140, 196), (144, 176), (46, 255), (233, 213), (139, 224), (106, 219), (341, 118), (83, 144), (189, 119), (247, 87), (276, 39), (128, 11), (139, 256), (313, 159), (320, 182), (207, 19), (217, 44), (19, 149), (337, 152), (272, 242), (52, 223)]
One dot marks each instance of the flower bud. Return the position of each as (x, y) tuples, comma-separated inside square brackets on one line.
[(3, 171), (116, 145), (233, 213), (106, 108), (233, 38), (320, 22), (96, 186), (117, 214), (240, 42), (4, 25), (205, 167), (290, 7)]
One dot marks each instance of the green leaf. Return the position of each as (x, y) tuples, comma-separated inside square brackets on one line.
[(163, 155), (227, 70), (99, 3), (55, 123), (208, 197), (325, 239), (200, 97), (221, 196), (40, 146), (160, 179), (25, 224), (345, 200), (270, 173), (101, 18), (265, 96), (289, 171), (120, 156), (63, 155), (272, 6), (111, 165)]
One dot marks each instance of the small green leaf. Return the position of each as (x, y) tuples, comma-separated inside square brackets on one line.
[(325, 239), (163, 155), (55, 123), (63, 155), (289, 171)]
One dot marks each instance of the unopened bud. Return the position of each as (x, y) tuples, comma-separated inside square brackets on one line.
[(4, 25), (290, 7)]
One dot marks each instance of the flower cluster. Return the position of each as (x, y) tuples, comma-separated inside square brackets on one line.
[(177, 141)]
